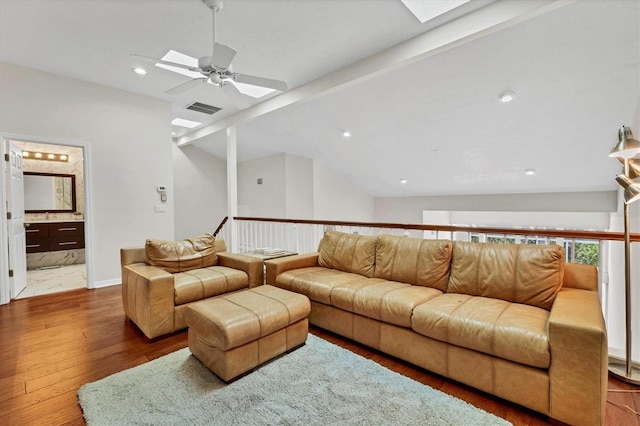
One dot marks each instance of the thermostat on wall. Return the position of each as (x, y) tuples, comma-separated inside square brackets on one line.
[(163, 193)]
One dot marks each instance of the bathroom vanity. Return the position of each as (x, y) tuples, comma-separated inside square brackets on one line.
[(54, 236)]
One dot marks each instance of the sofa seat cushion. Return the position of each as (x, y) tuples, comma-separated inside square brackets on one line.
[(511, 331), (387, 301), (315, 282), (199, 284), (343, 295)]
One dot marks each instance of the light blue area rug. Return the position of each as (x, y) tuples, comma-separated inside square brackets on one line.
[(317, 384)]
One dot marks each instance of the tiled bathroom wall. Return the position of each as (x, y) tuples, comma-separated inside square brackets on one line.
[(55, 258)]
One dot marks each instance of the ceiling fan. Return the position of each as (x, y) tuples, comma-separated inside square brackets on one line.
[(215, 69)]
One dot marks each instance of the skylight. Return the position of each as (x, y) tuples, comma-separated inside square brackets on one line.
[(185, 123), (253, 91), (427, 10), (181, 58)]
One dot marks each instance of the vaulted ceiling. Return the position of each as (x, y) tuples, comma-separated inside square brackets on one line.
[(435, 121)]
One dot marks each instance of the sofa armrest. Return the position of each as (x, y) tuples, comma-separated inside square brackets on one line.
[(580, 276), (148, 298), (251, 265), (277, 266), (579, 358), (131, 255)]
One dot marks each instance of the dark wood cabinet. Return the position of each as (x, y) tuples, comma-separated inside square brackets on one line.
[(54, 236)]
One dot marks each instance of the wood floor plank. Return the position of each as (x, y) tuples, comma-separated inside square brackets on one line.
[(51, 345)]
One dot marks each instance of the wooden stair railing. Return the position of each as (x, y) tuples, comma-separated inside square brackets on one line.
[(219, 228)]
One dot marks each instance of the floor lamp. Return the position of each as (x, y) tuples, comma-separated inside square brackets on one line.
[(627, 150)]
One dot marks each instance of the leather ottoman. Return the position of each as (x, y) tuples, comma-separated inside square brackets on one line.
[(237, 332)]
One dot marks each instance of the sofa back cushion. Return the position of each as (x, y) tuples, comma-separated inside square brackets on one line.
[(413, 261), (184, 255), (528, 274), (348, 253)]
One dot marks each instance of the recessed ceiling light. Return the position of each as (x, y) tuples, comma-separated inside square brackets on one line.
[(185, 123), (346, 133), (139, 71), (530, 172), (403, 181), (507, 96)]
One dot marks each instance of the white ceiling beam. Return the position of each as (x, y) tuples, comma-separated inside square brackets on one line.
[(494, 17)]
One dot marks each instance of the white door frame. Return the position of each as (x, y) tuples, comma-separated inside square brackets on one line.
[(88, 216)]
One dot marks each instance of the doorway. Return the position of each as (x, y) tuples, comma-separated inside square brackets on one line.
[(54, 216)]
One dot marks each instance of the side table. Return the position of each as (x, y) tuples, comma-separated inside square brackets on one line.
[(264, 257)]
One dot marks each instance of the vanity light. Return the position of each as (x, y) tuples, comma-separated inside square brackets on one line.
[(45, 156)]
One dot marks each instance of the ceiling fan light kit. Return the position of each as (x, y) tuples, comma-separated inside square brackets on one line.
[(215, 69)]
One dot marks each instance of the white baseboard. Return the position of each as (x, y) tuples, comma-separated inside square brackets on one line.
[(107, 283)]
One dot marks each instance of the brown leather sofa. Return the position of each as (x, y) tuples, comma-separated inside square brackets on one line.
[(511, 320), (156, 300)]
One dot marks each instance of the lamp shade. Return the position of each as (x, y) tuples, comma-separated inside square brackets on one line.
[(626, 147), (631, 188)]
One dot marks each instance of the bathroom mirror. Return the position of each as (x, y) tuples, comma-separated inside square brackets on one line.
[(49, 192)]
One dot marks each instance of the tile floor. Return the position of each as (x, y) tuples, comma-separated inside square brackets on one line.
[(47, 281)]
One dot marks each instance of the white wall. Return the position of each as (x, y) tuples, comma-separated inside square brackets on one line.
[(129, 145), (409, 209), (334, 198), (295, 187), (269, 198), (299, 187), (200, 187)]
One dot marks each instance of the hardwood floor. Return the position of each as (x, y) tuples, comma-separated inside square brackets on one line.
[(51, 345)]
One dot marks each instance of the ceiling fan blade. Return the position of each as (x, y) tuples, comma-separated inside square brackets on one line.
[(260, 81), (235, 96), (168, 63), (222, 55), (181, 88)]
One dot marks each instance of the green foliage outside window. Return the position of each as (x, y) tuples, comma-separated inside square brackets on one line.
[(587, 253)]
